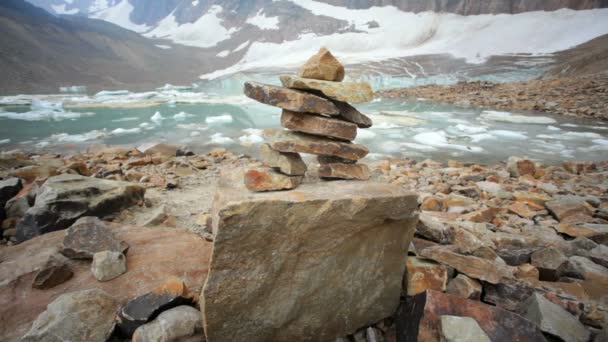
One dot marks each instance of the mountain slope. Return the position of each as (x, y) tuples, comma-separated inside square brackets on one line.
[(40, 52)]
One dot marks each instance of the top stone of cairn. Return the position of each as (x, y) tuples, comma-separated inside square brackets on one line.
[(322, 66)]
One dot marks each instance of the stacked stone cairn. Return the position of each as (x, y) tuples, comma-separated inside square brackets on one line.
[(319, 120)]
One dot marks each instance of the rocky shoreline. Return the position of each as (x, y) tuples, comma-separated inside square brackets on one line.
[(489, 238), (585, 96)]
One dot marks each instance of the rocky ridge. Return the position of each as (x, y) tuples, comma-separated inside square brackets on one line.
[(585, 96)]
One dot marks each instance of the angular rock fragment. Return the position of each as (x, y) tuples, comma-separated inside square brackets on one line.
[(64, 199), (333, 160), (422, 275), (178, 324), (478, 268), (525, 271), (344, 171), (322, 66), (563, 208), (288, 163), (165, 150), (419, 319), (286, 141), (55, 272), (264, 179), (461, 329), (108, 265), (554, 320), (516, 256), (318, 125), (432, 228), (86, 315), (139, 311), (465, 287), (532, 197), (289, 99), (314, 237), (522, 210), (520, 167), (353, 92), (548, 261), (508, 294), (583, 268), (351, 114), (8, 189), (88, 236)]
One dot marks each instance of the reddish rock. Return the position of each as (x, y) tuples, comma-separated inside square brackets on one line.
[(482, 215), (419, 319), (525, 271), (322, 66), (287, 141), (522, 210), (344, 171), (263, 179), (433, 204), (478, 268), (562, 208), (318, 125), (353, 92), (288, 163), (580, 167), (422, 275), (156, 253), (532, 197), (289, 99), (351, 114), (465, 287)]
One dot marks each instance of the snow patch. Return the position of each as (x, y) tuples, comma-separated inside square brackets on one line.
[(263, 22), (182, 116), (61, 9), (220, 139), (440, 139), (223, 54), (120, 14), (252, 136), (164, 47), (205, 32)]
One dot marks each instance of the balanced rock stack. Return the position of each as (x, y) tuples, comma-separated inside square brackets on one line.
[(320, 121)]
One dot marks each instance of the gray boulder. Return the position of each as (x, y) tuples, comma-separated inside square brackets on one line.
[(553, 319), (461, 329), (78, 316), (88, 236), (8, 189), (108, 265), (177, 324), (64, 199)]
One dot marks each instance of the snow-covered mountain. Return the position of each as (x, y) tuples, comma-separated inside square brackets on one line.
[(282, 33)]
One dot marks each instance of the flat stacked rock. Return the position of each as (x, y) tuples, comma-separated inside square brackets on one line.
[(319, 120)]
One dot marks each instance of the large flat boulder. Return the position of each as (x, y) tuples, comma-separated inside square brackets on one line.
[(319, 125), (155, 254), (310, 264), (64, 199)]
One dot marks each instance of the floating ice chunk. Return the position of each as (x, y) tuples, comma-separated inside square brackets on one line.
[(220, 139), (164, 47), (125, 131), (512, 118), (195, 134), (253, 136), (5, 141), (112, 93), (420, 147), (601, 141), (73, 138), (168, 87), (509, 134), (385, 125), (365, 134), (570, 125), (224, 118), (193, 127), (146, 125), (390, 147), (590, 135), (481, 136), (129, 118), (439, 139), (37, 115), (553, 128), (42, 104), (182, 116), (470, 129), (157, 118)]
